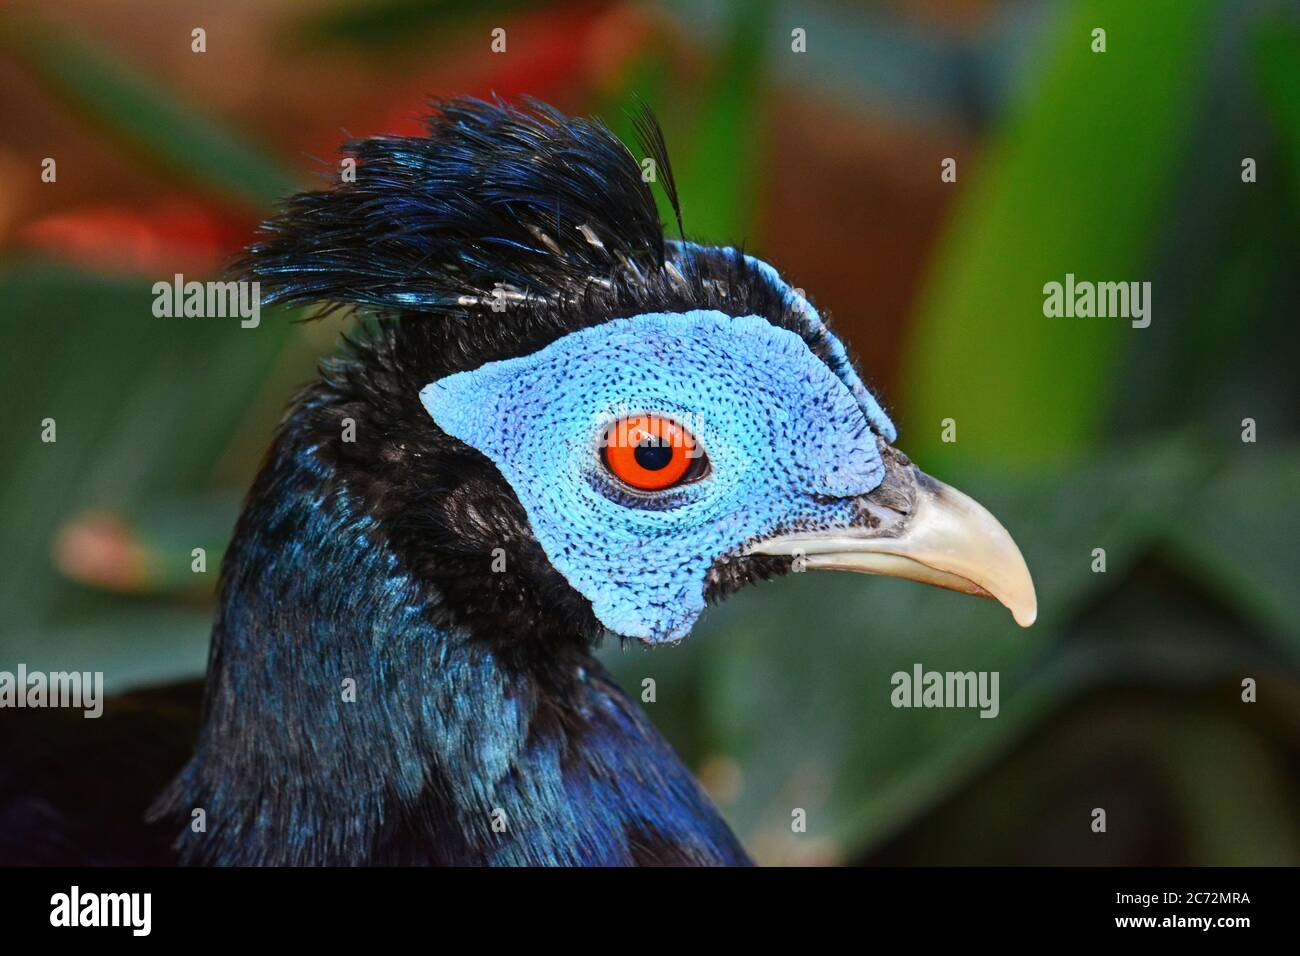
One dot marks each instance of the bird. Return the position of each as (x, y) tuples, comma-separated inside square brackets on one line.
[(552, 424)]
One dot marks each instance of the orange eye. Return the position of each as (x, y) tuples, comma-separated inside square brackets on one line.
[(651, 453)]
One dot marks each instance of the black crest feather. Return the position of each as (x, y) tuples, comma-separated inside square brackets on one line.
[(538, 222), (651, 137), (497, 201)]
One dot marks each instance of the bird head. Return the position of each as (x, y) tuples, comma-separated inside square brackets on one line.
[(567, 421)]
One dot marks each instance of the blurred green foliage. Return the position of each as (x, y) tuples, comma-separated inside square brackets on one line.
[(1277, 60), (143, 411), (1077, 183), (784, 692), (792, 680)]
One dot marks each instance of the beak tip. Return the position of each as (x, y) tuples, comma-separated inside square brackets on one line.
[(1018, 594), (1025, 616), (1020, 598)]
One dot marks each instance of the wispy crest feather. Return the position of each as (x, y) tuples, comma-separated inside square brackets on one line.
[(498, 201), (651, 137)]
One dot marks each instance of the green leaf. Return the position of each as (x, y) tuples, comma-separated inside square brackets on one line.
[(1239, 536), (144, 408), (1076, 183), (134, 645), (1276, 50)]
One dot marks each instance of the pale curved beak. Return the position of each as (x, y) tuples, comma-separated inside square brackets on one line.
[(948, 540)]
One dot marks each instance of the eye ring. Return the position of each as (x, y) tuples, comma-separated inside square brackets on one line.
[(652, 453)]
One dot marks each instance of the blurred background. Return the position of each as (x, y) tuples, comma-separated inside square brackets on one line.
[(1078, 433)]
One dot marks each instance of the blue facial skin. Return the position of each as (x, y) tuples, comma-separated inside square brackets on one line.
[(789, 444), (840, 362)]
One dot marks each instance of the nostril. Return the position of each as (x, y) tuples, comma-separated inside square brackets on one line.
[(879, 517)]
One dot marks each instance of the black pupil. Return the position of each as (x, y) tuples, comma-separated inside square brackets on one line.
[(653, 456)]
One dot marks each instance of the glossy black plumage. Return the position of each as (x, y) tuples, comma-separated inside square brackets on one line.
[(493, 197), (368, 559)]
